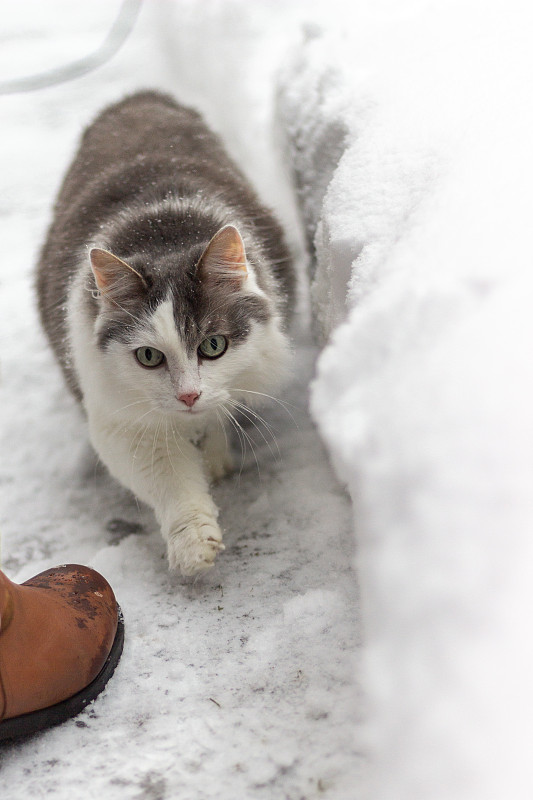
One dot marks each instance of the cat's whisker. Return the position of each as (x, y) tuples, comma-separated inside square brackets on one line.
[(176, 442), (221, 423), (130, 405), (137, 441), (282, 403), (251, 416), (249, 410), (155, 444), (170, 459), (133, 461), (257, 420), (247, 437), (211, 312), (137, 438), (121, 308), (238, 430), (137, 421)]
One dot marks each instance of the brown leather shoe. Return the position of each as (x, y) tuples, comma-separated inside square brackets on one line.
[(61, 636)]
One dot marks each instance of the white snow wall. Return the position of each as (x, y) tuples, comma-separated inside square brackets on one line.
[(410, 139)]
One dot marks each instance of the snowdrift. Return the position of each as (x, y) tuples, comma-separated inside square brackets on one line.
[(410, 142)]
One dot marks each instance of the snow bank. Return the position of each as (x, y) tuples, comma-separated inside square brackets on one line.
[(422, 287)]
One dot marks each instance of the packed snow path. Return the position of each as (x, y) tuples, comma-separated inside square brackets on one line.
[(236, 685)]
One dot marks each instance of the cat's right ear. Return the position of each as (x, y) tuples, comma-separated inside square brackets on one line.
[(115, 279), (224, 259)]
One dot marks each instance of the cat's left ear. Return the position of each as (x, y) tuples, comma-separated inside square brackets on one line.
[(114, 278), (224, 258)]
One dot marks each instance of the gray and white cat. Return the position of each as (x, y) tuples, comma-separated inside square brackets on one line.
[(164, 287)]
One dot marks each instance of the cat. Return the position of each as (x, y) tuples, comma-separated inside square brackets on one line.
[(164, 288)]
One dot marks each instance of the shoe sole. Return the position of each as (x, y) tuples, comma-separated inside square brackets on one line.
[(34, 721)]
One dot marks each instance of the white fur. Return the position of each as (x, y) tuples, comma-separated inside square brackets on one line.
[(148, 439)]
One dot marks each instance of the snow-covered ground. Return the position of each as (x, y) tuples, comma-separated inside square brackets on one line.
[(394, 140), (239, 684)]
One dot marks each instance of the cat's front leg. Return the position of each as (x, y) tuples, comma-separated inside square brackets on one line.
[(167, 472), (217, 453)]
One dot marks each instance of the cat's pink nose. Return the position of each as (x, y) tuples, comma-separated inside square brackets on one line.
[(189, 399)]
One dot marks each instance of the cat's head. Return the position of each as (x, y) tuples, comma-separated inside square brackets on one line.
[(189, 340)]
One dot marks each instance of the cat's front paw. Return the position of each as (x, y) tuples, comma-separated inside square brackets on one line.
[(193, 545)]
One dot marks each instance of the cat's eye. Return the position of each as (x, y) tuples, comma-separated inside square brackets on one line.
[(213, 346), (149, 356)]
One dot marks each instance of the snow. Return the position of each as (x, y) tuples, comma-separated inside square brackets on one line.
[(422, 289), (372, 649)]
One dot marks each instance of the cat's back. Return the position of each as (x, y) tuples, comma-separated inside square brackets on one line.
[(141, 122), (146, 127)]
